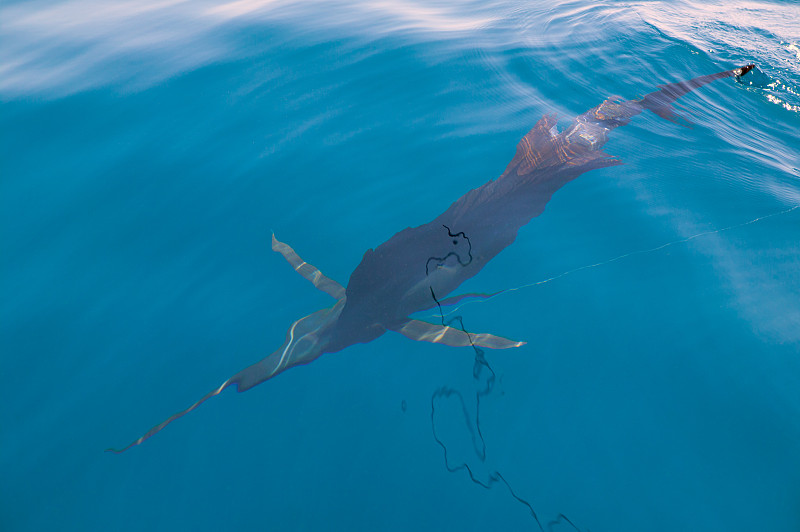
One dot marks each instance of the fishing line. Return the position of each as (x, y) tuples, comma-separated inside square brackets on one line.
[(485, 297), (480, 365), (480, 362), (440, 261), (478, 443)]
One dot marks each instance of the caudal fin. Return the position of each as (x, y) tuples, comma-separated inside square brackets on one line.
[(660, 102)]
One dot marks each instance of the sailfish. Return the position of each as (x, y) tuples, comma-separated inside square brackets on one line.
[(419, 267)]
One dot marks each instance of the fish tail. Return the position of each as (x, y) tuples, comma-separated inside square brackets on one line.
[(660, 102)]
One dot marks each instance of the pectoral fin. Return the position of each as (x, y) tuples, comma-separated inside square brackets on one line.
[(317, 278), (441, 334)]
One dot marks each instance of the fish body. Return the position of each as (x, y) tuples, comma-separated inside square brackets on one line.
[(419, 267)]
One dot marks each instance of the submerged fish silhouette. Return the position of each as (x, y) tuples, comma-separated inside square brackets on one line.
[(407, 273)]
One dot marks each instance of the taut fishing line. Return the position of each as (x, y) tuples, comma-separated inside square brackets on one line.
[(480, 298)]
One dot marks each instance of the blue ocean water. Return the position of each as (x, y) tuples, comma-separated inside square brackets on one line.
[(151, 148)]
